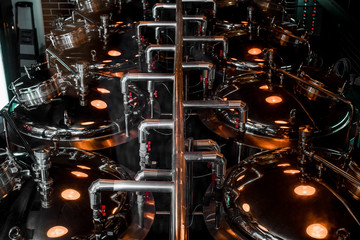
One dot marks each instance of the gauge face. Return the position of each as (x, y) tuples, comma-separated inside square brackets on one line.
[(271, 189)]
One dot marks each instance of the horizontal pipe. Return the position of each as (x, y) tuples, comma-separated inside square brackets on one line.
[(156, 77), (311, 154), (210, 39), (163, 24), (202, 20), (147, 124), (101, 185), (203, 156), (204, 144), (159, 6), (199, 65), (156, 47), (215, 104), (148, 173)]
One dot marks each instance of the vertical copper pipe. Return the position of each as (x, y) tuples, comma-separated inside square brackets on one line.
[(179, 228)]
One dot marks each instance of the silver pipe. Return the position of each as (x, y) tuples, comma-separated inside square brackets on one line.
[(311, 154), (179, 227), (101, 185), (151, 124), (163, 24), (200, 19), (149, 173), (156, 47), (204, 1), (215, 157), (144, 174), (124, 82), (159, 6), (219, 169), (204, 144), (209, 67), (143, 131), (210, 39), (222, 104), (215, 104)]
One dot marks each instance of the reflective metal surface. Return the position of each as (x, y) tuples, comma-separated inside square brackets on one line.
[(275, 113), (9, 174), (97, 125), (41, 88), (272, 196), (72, 172), (69, 36)]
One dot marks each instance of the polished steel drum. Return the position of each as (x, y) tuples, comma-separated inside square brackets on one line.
[(41, 88), (98, 125), (69, 215), (94, 6), (275, 113), (9, 174), (69, 35), (272, 196)]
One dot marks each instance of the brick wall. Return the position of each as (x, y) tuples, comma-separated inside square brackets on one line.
[(52, 9)]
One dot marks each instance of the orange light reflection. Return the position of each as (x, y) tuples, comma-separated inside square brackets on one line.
[(291, 171), (114, 53), (305, 190), (83, 167), (79, 174), (99, 104), (317, 231), (103, 90), (254, 51), (273, 99), (70, 194), (57, 231)]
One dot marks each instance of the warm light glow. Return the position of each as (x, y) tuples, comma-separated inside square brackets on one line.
[(254, 51), (4, 196), (119, 22), (99, 104), (149, 216), (57, 231), (114, 210), (70, 194), (118, 74), (284, 165), (264, 87), (273, 99), (79, 174), (241, 188), (241, 177), (259, 60), (263, 228), (234, 59), (291, 171), (281, 122), (305, 190), (246, 207), (83, 167), (103, 90), (107, 61), (317, 231), (114, 53), (86, 123)]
